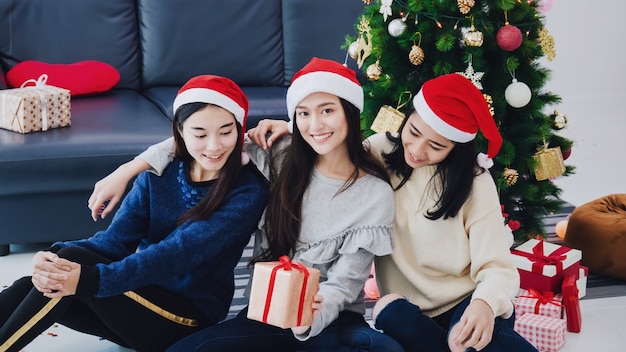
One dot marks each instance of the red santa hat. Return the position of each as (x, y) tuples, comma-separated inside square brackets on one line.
[(326, 76), (215, 90), (453, 107)]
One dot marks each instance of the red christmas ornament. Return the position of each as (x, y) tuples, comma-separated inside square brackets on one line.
[(566, 153), (509, 37), (514, 225)]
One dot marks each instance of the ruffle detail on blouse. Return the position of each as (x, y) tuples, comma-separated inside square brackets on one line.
[(374, 239)]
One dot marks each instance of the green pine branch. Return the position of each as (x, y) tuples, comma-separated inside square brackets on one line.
[(438, 27)]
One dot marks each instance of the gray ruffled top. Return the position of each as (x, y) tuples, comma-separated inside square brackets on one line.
[(340, 235)]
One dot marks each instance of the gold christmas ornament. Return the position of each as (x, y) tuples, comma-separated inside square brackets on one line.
[(489, 100), (465, 5), (473, 37), (546, 41), (389, 119), (416, 55), (559, 121), (549, 163), (510, 176), (364, 41), (367, 2), (374, 71)]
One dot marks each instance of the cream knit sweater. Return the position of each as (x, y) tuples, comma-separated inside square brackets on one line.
[(437, 263)]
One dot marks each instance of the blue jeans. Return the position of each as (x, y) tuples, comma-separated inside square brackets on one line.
[(348, 333), (416, 332)]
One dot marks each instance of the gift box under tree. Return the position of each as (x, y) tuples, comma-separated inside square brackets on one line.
[(545, 333), (581, 283), (571, 304), (542, 303), (34, 108), (543, 265), (282, 293)]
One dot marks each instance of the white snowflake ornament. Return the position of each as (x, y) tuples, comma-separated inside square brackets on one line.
[(473, 76)]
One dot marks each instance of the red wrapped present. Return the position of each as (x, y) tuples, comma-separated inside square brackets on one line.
[(545, 333), (571, 304), (581, 283), (533, 301), (543, 265), (282, 293)]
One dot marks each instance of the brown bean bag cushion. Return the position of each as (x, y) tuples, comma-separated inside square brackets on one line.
[(598, 229)]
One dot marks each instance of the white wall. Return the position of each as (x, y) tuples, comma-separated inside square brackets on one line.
[(589, 73)]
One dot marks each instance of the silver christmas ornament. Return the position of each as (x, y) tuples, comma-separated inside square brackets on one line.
[(396, 27)]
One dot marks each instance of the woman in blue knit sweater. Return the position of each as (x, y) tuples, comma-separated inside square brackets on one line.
[(164, 267), (331, 208)]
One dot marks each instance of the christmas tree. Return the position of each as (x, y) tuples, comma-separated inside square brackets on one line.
[(498, 45)]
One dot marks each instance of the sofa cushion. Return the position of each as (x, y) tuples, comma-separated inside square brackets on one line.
[(68, 31), (238, 39), (80, 78), (314, 29), (106, 131)]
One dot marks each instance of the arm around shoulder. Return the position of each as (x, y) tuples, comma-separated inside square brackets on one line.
[(158, 156), (109, 191)]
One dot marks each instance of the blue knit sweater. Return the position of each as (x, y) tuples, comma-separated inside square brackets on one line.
[(194, 260)]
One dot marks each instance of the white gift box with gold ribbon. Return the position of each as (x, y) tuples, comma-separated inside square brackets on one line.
[(34, 108)]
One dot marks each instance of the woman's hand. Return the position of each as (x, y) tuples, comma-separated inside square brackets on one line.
[(317, 306), (474, 329), (70, 284), (49, 274), (108, 191), (275, 128)]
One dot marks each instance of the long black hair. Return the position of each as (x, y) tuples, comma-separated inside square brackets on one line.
[(453, 178), (228, 176), (291, 178)]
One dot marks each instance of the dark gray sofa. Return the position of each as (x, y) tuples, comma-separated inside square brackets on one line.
[(156, 45)]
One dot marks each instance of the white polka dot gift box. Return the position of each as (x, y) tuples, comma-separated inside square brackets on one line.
[(34, 108)]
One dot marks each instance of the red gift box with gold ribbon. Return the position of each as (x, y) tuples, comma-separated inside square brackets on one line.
[(543, 265), (282, 293)]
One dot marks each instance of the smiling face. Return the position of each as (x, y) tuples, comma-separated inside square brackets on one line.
[(210, 135), (422, 145), (322, 123)]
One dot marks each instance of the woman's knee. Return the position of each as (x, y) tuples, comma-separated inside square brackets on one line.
[(383, 302), (368, 339), (81, 256)]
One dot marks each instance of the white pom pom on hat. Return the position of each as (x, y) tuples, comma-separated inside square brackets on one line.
[(215, 90), (452, 106), (325, 76)]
